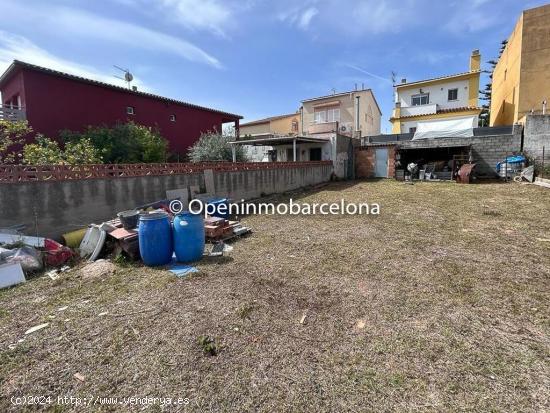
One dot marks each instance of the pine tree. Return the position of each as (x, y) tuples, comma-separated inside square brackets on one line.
[(486, 93)]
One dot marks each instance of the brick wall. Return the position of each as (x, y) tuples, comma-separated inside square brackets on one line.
[(365, 160)]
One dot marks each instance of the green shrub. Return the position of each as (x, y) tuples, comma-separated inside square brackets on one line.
[(48, 152), (123, 143), (12, 134)]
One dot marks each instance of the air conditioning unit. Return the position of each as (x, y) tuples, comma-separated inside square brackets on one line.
[(345, 128)]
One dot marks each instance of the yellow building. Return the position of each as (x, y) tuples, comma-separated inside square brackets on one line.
[(452, 97), (277, 125), (521, 79)]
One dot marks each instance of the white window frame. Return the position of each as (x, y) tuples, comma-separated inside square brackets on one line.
[(333, 115), (420, 96), (320, 116), (448, 93), (130, 110)]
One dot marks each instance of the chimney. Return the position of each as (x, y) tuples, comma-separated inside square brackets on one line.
[(475, 60), (403, 80), (134, 88)]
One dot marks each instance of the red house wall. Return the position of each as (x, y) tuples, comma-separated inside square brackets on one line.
[(13, 88), (55, 103)]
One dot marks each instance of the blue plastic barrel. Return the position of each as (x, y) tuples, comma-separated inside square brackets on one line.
[(155, 239), (188, 236), (220, 212)]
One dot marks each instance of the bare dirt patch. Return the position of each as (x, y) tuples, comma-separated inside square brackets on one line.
[(435, 305)]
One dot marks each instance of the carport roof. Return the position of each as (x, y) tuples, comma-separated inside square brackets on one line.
[(273, 140), (431, 145)]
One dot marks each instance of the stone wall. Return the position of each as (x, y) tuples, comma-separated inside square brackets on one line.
[(51, 208)]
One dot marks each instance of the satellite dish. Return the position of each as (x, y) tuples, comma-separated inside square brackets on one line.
[(128, 77)]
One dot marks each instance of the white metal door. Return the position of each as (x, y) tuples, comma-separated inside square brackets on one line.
[(381, 166)]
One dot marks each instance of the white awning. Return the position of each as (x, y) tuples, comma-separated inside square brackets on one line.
[(448, 128)]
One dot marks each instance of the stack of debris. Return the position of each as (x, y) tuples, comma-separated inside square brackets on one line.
[(220, 229), (21, 254)]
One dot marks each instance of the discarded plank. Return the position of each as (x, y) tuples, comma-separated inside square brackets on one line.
[(36, 328)]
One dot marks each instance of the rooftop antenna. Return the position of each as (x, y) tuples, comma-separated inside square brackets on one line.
[(128, 77), (393, 77), (333, 91)]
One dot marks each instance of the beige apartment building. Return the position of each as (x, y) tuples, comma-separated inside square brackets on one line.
[(354, 114), (278, 125), (521, 78), (325, 128)]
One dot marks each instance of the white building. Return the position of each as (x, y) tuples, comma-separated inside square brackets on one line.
[(438, 102)]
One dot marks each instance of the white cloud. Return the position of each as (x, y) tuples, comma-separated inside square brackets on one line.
[(379, 16), (15, 47), (72, 22), (89, 25), (354, 17), (300, 16), (306, 17), (209, 15), (471, 16)]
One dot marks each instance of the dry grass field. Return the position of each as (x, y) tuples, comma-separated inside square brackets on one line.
[(440, 303)]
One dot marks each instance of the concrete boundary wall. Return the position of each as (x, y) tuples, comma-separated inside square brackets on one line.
[(53, 208), (537, 136)]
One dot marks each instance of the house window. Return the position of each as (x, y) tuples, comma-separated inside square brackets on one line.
[(320, 116), (329, 115), (130, 110), (452, 94), (412, 130), (172, 118), (421, 99), (294, 125), (333, 115)]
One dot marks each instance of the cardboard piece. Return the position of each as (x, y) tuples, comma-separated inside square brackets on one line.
[(11, 274)]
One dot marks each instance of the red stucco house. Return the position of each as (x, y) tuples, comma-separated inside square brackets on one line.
[(52, 101)]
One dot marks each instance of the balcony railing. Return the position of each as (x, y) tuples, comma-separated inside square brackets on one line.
[(12, 114), (324, 127), (342, 128), (430, 109)]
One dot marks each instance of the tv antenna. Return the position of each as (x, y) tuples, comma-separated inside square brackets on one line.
[(393, 77), (128, 77)]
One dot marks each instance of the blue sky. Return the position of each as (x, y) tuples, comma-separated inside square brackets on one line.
[(256, 58)]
